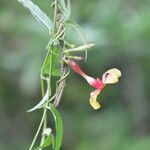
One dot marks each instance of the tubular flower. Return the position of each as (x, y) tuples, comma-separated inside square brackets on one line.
[(109, 77)]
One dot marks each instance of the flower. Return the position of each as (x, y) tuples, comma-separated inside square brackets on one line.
[(109, 77)]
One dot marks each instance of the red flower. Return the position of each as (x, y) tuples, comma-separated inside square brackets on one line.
[(109, 77)]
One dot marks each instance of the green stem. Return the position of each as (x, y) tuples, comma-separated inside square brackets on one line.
[(50, 70), (49, 93), (44, 117), (38, 131), (55, 15), (44, 126)]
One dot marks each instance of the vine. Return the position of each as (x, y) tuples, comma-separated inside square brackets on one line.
[(55, 65)]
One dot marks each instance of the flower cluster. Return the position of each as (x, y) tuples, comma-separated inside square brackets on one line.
[(109, 77)]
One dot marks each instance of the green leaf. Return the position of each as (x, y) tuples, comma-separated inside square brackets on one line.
[(55, 62), (38, 14), (44, 99), (58, 126), (48, 141), (47, 64)]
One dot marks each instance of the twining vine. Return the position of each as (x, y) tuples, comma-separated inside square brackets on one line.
[(56, 64)]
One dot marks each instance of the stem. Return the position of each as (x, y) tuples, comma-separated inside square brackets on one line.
[(44, 126), (55, 16), (50, 70), (49, 93), (60, 89), (38, 131)]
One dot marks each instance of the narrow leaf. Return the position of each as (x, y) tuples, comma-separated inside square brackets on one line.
[(47, 63), (44, 99), (38, 14), (58, 126), (55, 62)]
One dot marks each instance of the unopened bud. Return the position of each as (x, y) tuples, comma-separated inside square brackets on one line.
[(81, 48), (75, 57)]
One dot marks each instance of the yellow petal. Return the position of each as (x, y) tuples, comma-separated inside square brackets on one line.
[(111, 76), (94, 103)]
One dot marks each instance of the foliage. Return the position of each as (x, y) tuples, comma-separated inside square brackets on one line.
[(58, 53)]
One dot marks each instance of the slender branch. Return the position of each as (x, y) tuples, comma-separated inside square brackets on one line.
[(44, 126), (49, 93), (58, 30), (54, 2), (60, 89), (38, 131)]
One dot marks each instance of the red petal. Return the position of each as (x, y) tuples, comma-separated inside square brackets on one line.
[(97, 83), (76, 67)]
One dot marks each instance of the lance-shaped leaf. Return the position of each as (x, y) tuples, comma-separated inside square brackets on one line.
[(38, 14), (44, 99), (58, 126), (56, 61), (54, 54)]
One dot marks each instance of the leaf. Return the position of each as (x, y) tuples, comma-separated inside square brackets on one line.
[(47, 64), (58, 126), (55, 62), (38, 14), (48, 141), (44, 99), (67, 11)]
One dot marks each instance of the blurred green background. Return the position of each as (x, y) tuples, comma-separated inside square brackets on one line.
[(121, 31)]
